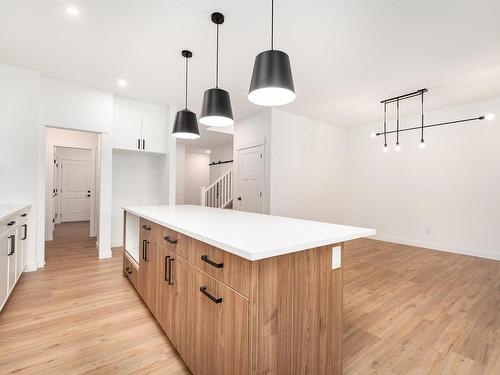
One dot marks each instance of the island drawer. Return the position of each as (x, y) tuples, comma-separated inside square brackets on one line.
[(130, 269), (232, 270), (169, 239)]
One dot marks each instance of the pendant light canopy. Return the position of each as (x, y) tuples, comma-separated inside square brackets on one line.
[(272, 81), (216, 109), (186, 124)]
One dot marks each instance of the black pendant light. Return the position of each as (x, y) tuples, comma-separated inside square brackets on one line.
[(216, 109), (272, 81), (186, 124)]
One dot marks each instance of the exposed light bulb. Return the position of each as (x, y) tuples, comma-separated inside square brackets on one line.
[(398, 147), (422, 144), (386, 148), (489, 116), (372, 135)]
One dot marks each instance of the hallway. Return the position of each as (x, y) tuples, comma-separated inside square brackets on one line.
[(80, 315)]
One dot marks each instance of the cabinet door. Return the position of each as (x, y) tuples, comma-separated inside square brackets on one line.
[(127, 128), (153, 131), (220, 329), (166, 288), (4, 269), (148, 264)]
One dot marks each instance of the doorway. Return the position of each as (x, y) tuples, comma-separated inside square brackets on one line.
[(251, 169), (72, 176)]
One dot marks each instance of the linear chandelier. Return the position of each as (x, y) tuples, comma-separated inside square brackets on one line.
[(419, 93)]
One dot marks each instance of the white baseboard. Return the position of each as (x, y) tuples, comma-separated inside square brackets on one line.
[(441, 247), (116, 243), (106, 255), (31, 267)]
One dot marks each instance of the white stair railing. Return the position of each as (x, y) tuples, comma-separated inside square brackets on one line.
[(220, 193)]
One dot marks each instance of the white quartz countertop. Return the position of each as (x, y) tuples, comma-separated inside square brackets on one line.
[(8, 209), (248, 235)]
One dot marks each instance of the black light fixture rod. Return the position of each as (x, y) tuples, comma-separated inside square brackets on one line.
[(186, 95), (405, 96), (397, 122), (217, 60), (385, 124), (432, 125), (422, 118), (272, 25)]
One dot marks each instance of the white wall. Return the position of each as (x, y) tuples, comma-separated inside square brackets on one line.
[(196, 176), (65, 138), (135, 177), (446, 197), (20, 149), (308, 168), (220, 153), (75, 107), (180, 173)]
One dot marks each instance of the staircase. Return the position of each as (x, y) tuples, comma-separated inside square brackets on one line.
[(220, 193)]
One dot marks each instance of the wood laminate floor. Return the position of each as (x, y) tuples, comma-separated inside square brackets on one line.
[(406, 311)]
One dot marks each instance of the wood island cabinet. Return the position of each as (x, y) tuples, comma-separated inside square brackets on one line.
[(228, 315)]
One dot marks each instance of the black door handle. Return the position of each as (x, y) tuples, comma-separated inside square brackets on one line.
[(25, 226), (147, 227), (128, 270), (10, 223), (170, 281), (88, 195), (211, 262), (12, 245), (24, 215), (239, 198), (168, 239), (166, 269), (203, 289)]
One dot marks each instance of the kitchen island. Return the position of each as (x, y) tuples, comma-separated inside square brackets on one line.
[(238, 292)]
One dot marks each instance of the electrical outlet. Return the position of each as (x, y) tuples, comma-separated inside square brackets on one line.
[(336, 257)]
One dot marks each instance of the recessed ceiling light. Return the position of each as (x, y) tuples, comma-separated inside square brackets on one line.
[(121, 83), (490, 116), (72, 11), (208, 151)]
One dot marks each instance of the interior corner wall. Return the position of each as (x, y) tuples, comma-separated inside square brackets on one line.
[(180, 166), (445, 197), (308, 168), (197, 175), (20, 150)]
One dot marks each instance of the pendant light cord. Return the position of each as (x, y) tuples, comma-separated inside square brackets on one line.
[(217, 60), (272, 25), (422, 133), (385, 124), (397, 122), (186, 97)]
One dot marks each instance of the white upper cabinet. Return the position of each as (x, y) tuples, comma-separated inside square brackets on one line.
[(140, 127)]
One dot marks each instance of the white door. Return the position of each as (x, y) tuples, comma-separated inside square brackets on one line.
[(127, 128), (76, 184), (4, 269), (250, 196), (55, 191), (153, 131)]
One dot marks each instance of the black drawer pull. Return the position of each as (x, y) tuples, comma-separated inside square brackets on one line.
[(128, 270), (12, 245), (147, 227), (168, 239), (166, 277), (10, 223), (211, 262), (203, 289), (170, 281), (26, 214)]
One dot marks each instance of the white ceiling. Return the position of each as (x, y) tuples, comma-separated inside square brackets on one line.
[(346, 55)]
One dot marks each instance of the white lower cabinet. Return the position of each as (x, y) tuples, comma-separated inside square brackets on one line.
[(13, 240)]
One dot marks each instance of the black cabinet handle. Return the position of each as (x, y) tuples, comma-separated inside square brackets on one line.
[(168, 239), (12, 245), (203, 289), (146, 251), (138, 144), (25, 226), (11, 223), (239, 198), (170, 281), (24, 215), (128, 270), (166, 269), (147, 227), (143, 144), (211, 262)]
